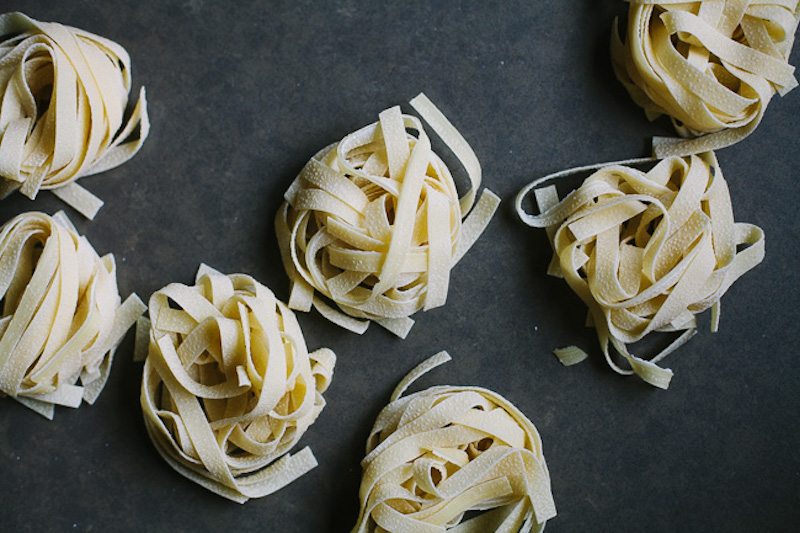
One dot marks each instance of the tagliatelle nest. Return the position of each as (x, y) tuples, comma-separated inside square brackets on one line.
[(229, 386), (374, 222), (64, 93), (61, 317), (646, 251), (446, 451), (710, 65)]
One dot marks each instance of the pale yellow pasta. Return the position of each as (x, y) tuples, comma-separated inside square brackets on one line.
[(373, 223), (63, 93), (61, 317), (712, 66), (437, 454), (570, 355), (229, 386), (646, 251)]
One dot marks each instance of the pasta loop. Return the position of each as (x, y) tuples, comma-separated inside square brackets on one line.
[(646, 251), (437, 454), (61, 318), (63, 97), (712, 66), (374, 222), (229, 386)]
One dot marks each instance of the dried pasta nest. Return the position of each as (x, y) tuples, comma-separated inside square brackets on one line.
[(374, 222), (453, 456), (646, 252), (229, 386), (61, 318), (712, 66), (62, 110)]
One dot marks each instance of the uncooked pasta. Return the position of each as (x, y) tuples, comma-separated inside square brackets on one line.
[(63, 94), (229, 386), (453, 458), (646, 252), (62, 317), (712, 66), (374, 225)]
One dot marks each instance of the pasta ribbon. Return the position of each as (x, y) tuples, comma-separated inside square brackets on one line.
[(63, 97), (229, 386), (374, 222), (712, 66), (437, 454), (61, 318), (646, 251)]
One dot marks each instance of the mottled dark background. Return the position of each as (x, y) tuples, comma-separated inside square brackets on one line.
[(242, 93)]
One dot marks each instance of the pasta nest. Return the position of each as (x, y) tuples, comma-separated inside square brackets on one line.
[(374, 222), (437, 454), (61, 318), (64, 94), (647, 251), (229, 386), (712, 66)]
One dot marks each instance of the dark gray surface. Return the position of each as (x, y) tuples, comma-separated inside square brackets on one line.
[(241, 97)]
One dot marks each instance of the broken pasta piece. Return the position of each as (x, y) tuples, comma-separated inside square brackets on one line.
[(374, 222), (646, 251), (711, 66), (570, 355), (61, 318), (64, 93), (440, 453), (229, 386)]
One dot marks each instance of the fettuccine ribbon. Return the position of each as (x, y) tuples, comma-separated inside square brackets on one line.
[(61, 318), (646, 251), (710, 65), (374, 222), (437, 454), (229, 386), (64, 93)]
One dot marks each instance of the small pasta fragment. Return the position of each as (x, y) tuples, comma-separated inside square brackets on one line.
[(570, 355), (63, 94), (436, 455), (62, 318), (229, 386), (374, 224), (712, 66), (646, 251)]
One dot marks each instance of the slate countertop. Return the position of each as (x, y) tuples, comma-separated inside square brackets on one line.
[(243, 93)]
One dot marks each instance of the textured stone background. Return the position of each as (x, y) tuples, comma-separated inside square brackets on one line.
[(242, 93)]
